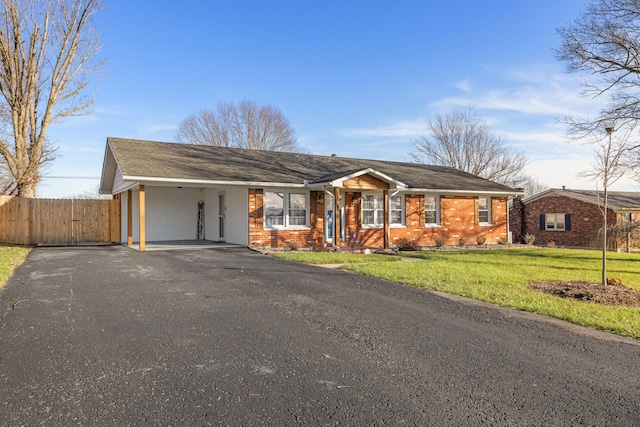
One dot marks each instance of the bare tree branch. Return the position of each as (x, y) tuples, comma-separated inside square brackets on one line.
[(48, 49), (241, 125), (604, 43), (462, 140)]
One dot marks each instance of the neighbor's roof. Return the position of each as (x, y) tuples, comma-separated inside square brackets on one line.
[(139, 160), (616, 200)]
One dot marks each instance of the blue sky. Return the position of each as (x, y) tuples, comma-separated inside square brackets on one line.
[(355, 78)]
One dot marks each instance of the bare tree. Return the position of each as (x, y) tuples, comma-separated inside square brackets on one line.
[(462, 140), (609, 165), (241, 125), (604, 42), (532, 186), (48, 49)]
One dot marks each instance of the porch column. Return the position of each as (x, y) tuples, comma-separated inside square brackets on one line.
[(142, 220), (385, 213), (336, 216), (129, 218)]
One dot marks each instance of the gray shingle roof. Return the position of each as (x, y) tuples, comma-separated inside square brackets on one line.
[(616, 200), (137, 158)]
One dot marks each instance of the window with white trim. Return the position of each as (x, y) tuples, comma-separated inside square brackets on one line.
[(484, 210), (285, 209), (372, 210), (555, 221), (396, 210), (432, 210)]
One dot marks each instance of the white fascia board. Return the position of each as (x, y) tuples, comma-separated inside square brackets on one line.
[(339, 182), (200, 182), (444, 192)]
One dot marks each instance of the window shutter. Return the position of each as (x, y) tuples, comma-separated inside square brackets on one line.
[(259, 215), (567, 222), (421, 211), (542, 223)]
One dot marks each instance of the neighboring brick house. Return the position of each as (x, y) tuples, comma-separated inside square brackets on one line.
[(572, 217), (274, 199)]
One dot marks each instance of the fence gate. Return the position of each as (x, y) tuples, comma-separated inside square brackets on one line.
[(59, 221)]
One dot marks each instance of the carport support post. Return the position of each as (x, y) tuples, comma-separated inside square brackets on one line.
[(336, 217), (385, 214), (142, 220), (129, 218)]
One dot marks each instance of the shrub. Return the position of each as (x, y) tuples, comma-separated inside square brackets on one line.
[(439, 242), (502, 241), (551, 244), (319, 247), (462, 241), (405, 244), (481, 240), (292, 246), (529, 238)]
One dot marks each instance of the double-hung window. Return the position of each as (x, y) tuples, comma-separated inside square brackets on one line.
[(372, 210), (431, 210), (555, 221), (484, 210), (396, 210), (285, 209)]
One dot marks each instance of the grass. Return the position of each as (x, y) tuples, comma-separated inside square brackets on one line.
[(334, 257), (11, 257), (500, 277)]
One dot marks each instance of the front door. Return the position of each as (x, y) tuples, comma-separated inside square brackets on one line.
[(222, 211), (329, 217)]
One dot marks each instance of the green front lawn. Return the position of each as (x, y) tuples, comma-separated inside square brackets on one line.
[(500, 276), (10, 258)]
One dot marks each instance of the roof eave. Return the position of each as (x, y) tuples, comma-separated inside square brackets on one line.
[(207, 182)]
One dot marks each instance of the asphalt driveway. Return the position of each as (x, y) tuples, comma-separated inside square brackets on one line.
[(110, 336)]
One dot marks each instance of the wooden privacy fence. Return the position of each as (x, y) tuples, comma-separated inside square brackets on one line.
[(58, 221)]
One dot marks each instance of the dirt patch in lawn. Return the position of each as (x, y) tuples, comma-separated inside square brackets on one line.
[(614, 293)]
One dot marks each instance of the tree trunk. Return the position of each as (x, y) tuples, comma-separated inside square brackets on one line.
[(28, 189)]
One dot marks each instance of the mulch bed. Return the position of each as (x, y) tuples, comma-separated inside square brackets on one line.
[(614, 293)]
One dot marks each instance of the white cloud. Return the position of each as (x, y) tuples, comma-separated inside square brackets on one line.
[(463, 85), (401, 129)]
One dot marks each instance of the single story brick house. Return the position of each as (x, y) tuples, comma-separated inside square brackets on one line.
[(572, 217), (171, 191)]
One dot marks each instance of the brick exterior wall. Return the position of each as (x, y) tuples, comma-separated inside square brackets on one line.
[(458, 218), (586, 220), (516, 217)]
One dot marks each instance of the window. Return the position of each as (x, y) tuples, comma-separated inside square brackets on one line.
[(396, 210), (372, 210), (484, 210), (555, 221), (297, 209), (283, 209), (431, 208), (273, 208), (627, 218)]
